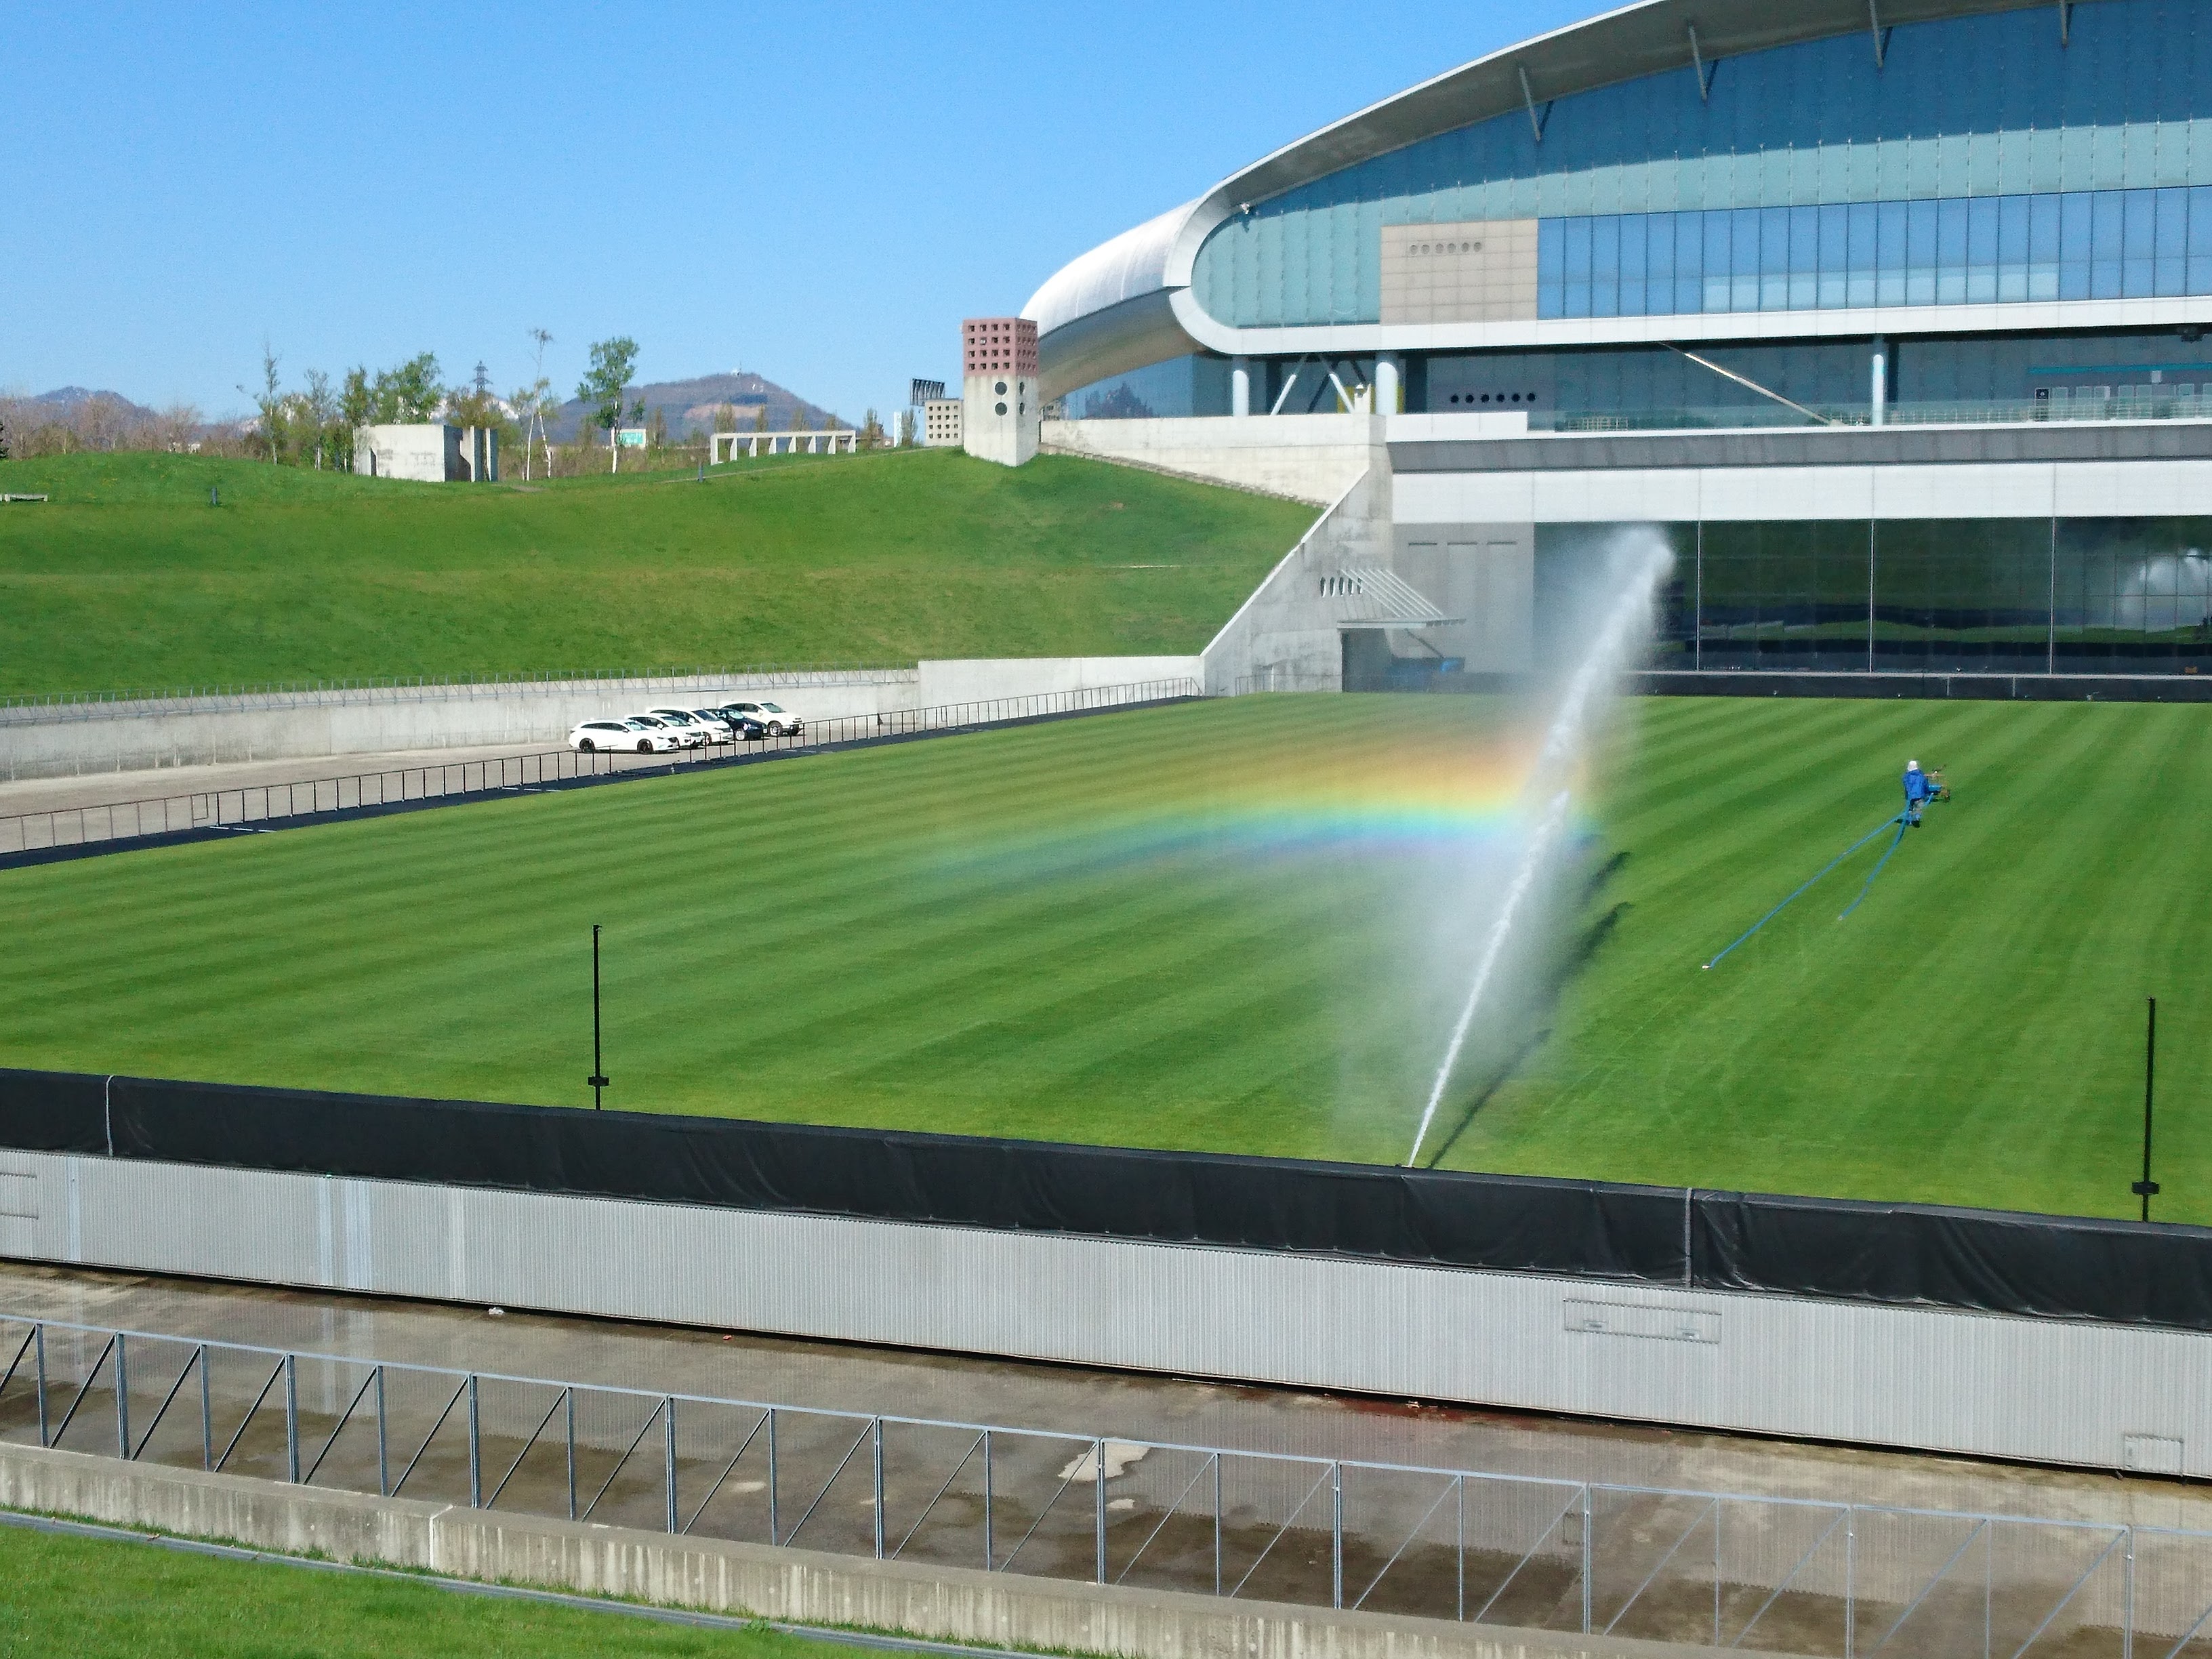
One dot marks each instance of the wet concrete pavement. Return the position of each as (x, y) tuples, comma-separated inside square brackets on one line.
[(1082, 1402)]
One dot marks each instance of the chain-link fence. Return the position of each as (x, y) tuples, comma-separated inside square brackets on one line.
[(257, 805), (1761, 1574)]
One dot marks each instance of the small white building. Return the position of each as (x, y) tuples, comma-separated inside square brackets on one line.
[(430, 453), (940, 427)]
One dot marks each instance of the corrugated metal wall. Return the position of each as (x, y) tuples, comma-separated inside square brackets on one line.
[(1938, 1381)]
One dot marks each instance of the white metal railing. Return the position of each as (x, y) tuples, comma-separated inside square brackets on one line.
[(250, 806), (1803, 1576)]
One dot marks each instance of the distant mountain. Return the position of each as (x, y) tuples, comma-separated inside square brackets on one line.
[(687, 403), (64, 399)]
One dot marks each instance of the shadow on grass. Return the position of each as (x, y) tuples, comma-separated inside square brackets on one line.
[(1570, 963)]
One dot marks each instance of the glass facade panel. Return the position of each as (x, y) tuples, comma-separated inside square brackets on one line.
[(1961, 596), (1180, 386), (1572, 565), (2133, 596), (1990, 249), (2074, 374), (1783, 596)]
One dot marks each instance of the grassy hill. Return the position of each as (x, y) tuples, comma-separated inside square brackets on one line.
[(130, 578), (1242, 925)]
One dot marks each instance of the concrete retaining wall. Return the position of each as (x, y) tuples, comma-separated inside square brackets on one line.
[(801, 1587), (1308, 457), (980, 680), (1285, 637), (71, 739)]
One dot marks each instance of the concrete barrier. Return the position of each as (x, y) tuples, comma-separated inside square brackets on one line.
[(1306, 458), (950, 1604), (78, 738)]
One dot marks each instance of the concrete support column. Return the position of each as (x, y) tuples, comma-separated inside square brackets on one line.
[(1878, 383), (1389, 399), (1240, 386)]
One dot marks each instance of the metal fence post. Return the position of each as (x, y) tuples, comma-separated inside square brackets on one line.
[(292, 1417), (2128, 1598), (207, 1413), (668, 1436), (876, 1456), (1217, 1523), (1850, 1582), (771, 1476), (39, 1342), (476, 1448), (1336, 1535), (990, 1541), (1460, 1562), (1589, 1556), (1098, 1505), (122, 1401), (383, 1441), (571, 1413)]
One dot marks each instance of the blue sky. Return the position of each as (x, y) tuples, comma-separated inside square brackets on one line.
[(815, 191)]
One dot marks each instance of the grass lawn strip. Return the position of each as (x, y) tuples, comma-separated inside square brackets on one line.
[(97, 1592)]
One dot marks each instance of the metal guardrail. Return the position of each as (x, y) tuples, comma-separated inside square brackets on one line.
[(1801, 1576), (252, 806), (95, 705)]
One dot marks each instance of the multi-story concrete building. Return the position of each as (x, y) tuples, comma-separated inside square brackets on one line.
[(1890, 316)]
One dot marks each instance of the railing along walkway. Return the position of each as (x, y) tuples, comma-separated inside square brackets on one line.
[(1725, 1570)]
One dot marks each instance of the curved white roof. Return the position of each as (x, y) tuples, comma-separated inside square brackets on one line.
[(1154, 261), (1133, 264)]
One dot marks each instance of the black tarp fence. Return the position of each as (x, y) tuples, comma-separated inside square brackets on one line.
[(2118, 1271)]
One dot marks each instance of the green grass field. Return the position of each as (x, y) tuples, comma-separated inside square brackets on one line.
[(128, 578), (1238, 926), (110, 1599)]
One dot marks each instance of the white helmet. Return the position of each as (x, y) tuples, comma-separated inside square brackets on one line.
[(1912, 766)]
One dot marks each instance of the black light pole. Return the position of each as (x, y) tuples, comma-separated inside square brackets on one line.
[(598, 1079), (2147, 1188)]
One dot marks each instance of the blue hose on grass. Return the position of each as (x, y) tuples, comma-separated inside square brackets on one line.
[(1899, 821), (1903, 824)]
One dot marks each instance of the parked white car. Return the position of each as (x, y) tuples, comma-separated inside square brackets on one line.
[(689, 721), (686, 735), (779, 722), (621, 735)]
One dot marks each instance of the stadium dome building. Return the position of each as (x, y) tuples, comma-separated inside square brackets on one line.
[(1889, 314)]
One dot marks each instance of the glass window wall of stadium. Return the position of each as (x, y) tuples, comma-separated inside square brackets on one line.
[(1988, 250), (2070, 596), (2144, 374)]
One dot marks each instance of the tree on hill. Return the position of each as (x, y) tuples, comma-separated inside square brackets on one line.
[(3, 440), (318, 411), (268, 402), (408, 395), (604, 386), (532, 405), (760, 421)]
